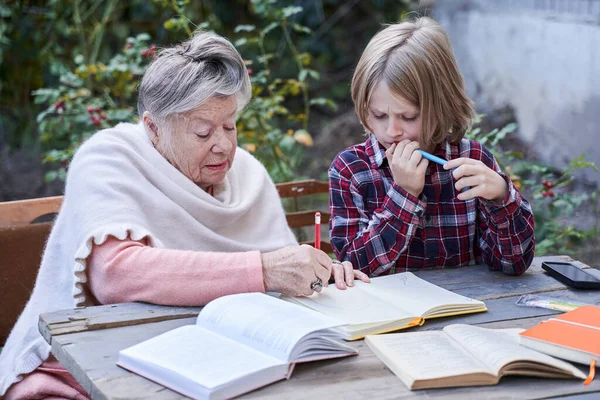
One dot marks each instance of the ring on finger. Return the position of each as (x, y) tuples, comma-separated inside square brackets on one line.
[(318, 284)]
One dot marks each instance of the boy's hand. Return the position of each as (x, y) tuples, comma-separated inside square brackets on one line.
[(482, 180), (408, 166)]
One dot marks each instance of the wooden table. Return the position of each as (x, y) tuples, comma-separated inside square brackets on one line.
[(86, 341)]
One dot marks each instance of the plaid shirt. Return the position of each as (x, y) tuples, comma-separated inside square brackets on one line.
[(382, 229)]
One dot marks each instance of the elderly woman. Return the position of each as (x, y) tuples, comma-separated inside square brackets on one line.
[(168, 211)]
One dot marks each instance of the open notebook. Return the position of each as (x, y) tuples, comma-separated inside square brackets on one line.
[(239, 343), (463, 355), (387, 304)]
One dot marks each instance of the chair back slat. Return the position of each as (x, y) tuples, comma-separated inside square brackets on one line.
[(299, 219), (301, 188), (24, 212)]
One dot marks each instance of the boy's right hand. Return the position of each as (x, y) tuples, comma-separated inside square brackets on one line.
[(408, 166)]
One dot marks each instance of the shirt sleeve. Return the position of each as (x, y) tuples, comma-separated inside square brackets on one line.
[(128, 270), (372, 243), (506, 228)]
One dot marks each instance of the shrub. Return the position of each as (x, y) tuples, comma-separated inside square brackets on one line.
[(274, 126), (549, 191)]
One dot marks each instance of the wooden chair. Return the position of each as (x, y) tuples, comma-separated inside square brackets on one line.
[(306, 218), (23, 237)]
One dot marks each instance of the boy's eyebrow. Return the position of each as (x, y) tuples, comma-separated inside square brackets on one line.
[(404, 113)]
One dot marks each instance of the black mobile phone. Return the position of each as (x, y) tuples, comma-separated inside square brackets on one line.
[(571, 275)]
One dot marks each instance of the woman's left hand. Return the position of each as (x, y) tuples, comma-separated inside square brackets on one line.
[(344, 274), (481, 180)]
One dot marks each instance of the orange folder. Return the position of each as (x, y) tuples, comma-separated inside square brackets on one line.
[(574, 336)]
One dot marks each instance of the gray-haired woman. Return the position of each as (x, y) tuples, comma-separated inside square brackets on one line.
[(168, 211)]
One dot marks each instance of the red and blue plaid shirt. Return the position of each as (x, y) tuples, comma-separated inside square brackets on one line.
[(382, 229)]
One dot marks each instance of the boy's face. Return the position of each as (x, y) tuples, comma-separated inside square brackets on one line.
[(393, 119)]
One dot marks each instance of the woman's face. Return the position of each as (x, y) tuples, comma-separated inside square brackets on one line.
[(392, 119), (203, 141)]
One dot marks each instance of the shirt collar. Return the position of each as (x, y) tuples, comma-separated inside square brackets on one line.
[(375, 151)]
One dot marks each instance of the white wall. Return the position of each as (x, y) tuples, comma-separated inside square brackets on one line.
[(540, 57)]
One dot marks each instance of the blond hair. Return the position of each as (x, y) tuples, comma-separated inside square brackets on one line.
[(416, 62)]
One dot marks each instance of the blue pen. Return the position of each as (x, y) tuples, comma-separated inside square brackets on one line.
[(440, 161), (433, 158)]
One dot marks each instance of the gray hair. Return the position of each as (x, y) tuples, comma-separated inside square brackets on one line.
[(184, 76)]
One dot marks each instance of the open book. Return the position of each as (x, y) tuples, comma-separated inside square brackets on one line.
[(239, 343), (574, 336), (463, 355), (388, 303)]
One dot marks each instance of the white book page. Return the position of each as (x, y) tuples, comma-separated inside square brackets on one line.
[(414, 294), (262, 322), (497, 347), (355, 305), (424, 355), (200, 355)]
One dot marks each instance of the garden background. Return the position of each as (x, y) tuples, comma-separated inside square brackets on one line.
[(70, 68)]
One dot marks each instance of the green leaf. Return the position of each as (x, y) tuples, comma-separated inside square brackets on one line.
[(50, 176), (240, 42), (42, 115), (287, 142), (291, 10), (45, 95), (314, 74), (301, 28), (508, 128), (266, 58), (5, 12), (244, 28), (119, 114), (269, 28), (79, 59), (324, 102), (302, 75)]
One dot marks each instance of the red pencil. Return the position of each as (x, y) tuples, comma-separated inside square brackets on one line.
[(318, 230)]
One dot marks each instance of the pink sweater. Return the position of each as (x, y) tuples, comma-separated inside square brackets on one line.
[(127, 270)]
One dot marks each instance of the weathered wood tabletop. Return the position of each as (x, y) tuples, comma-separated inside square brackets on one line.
[(86, 341)]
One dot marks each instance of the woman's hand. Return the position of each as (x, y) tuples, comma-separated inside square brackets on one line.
[(481, 180), (344, 274), (292, 270), (408, 166)]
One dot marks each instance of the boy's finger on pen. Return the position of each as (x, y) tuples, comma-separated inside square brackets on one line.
[(416, 156), (457, 162), (401, 145), (409, 149), (423, 164), (470, 193), (467, 181)]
